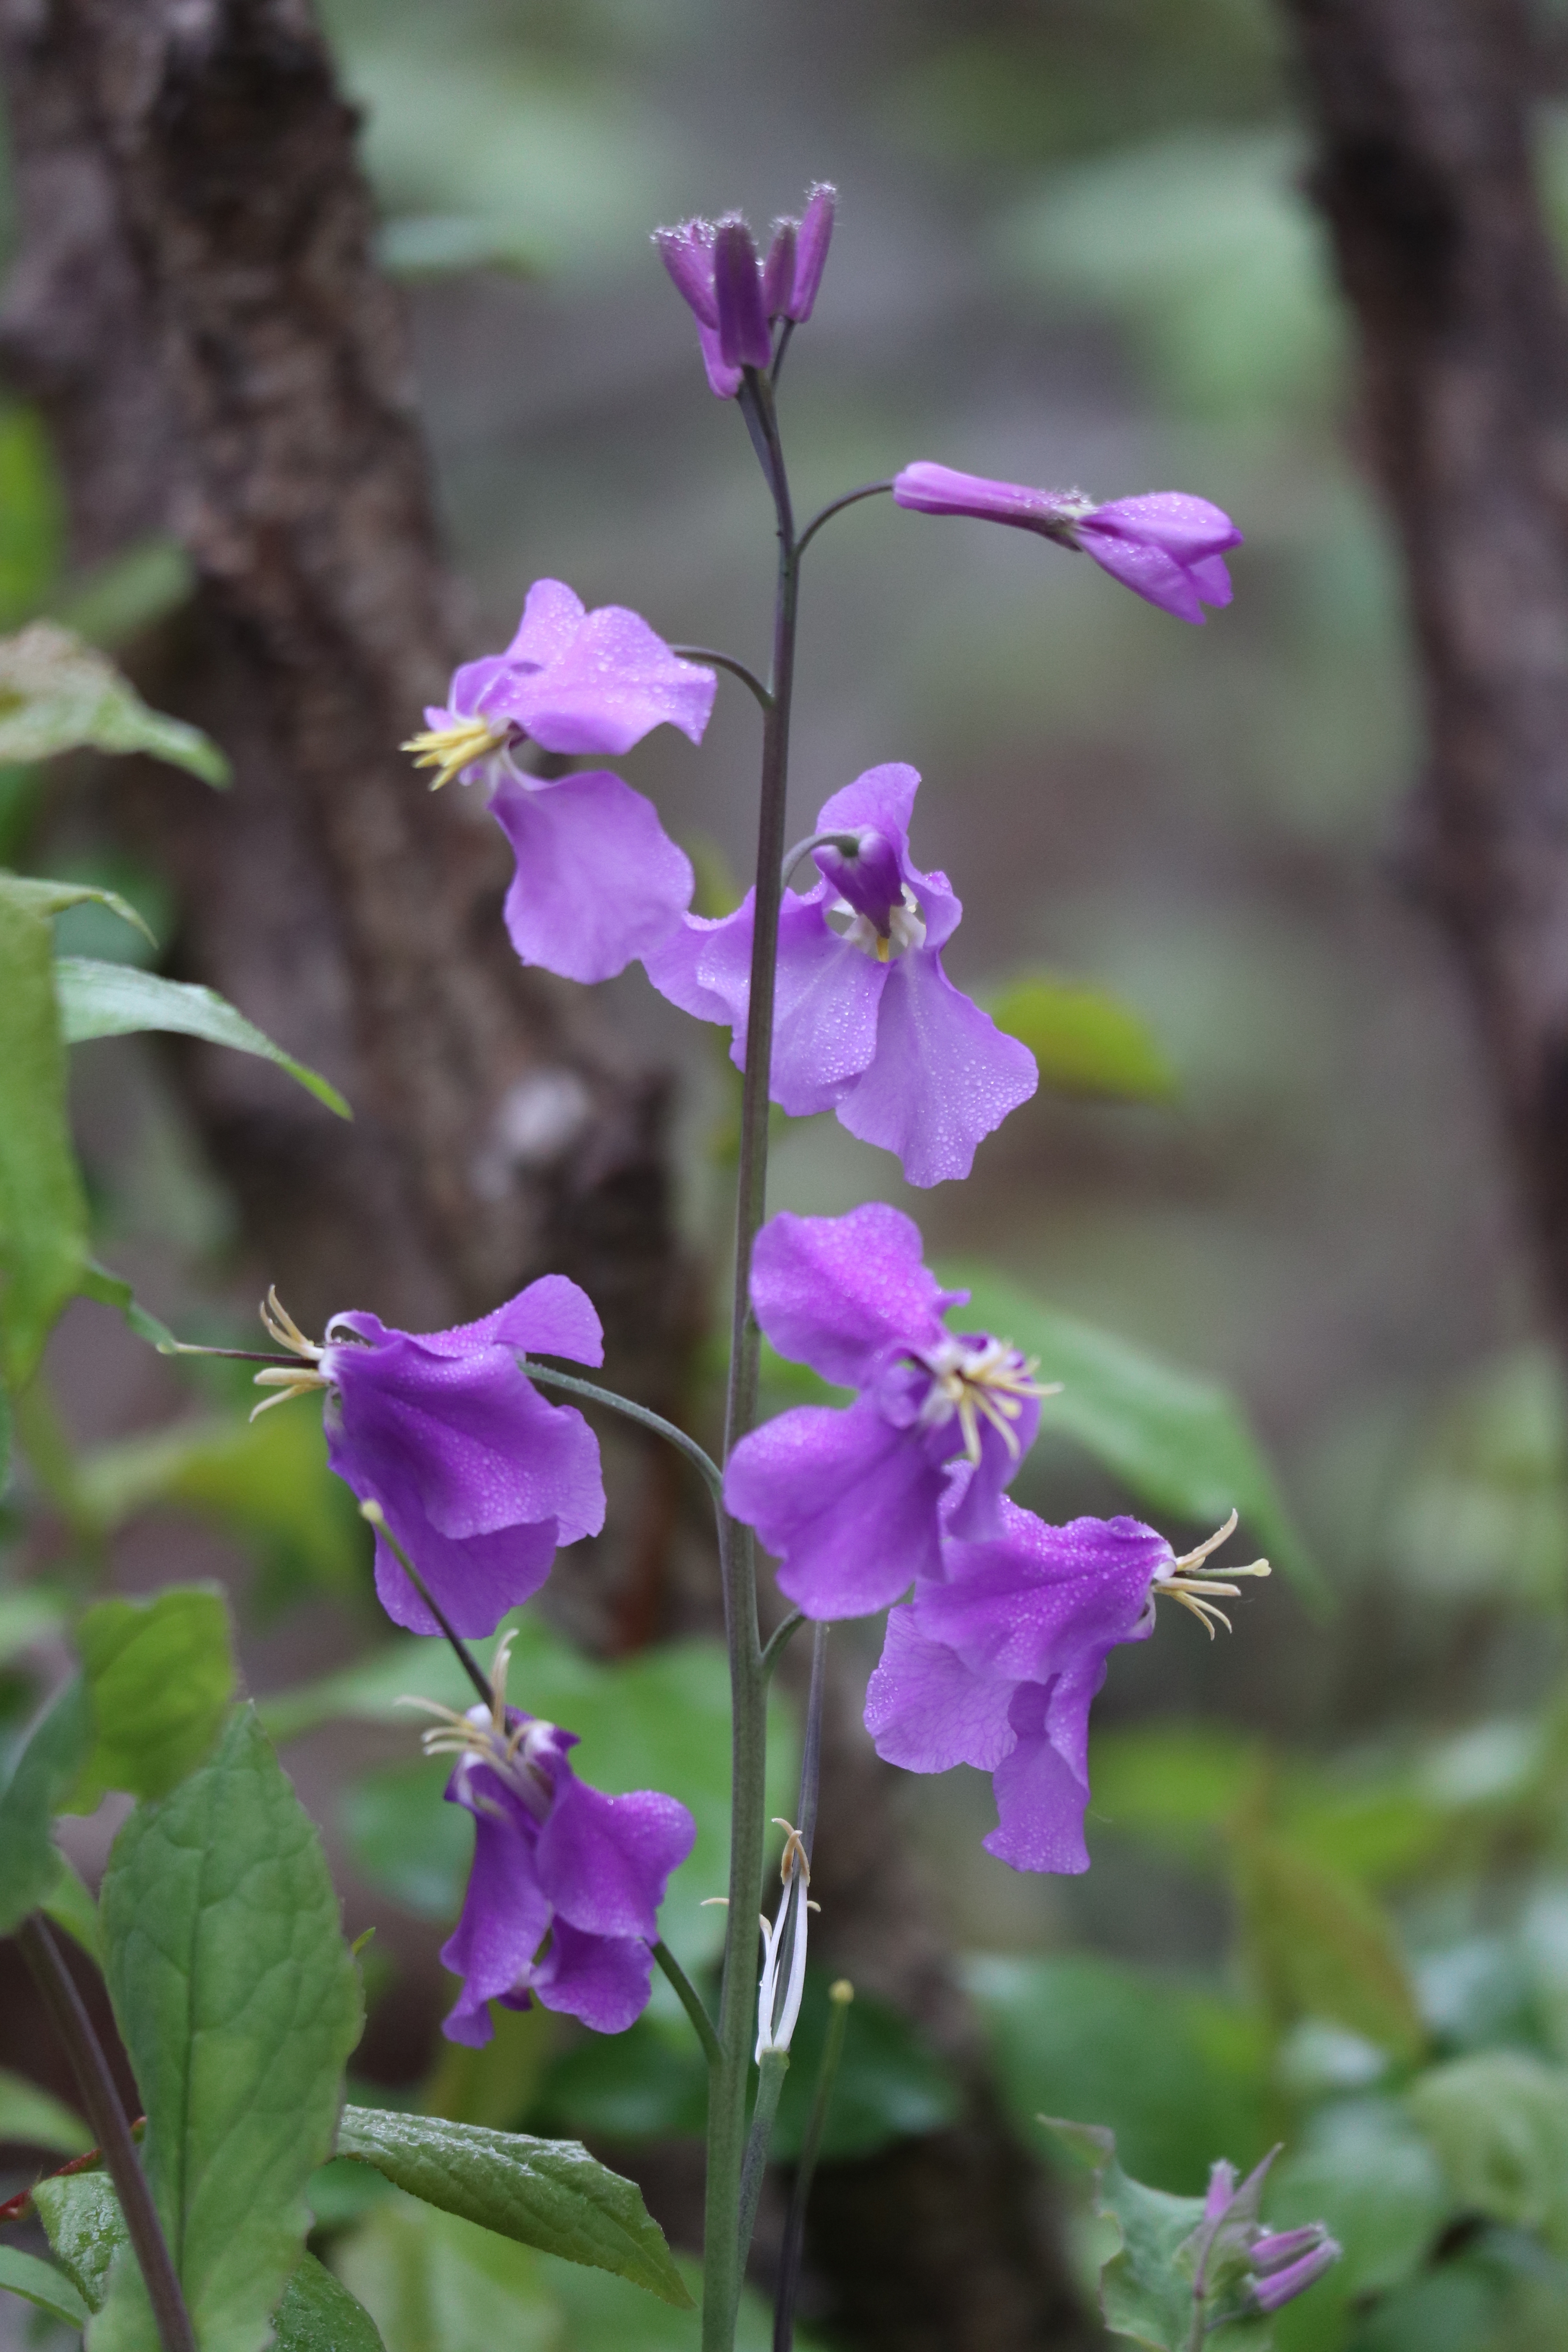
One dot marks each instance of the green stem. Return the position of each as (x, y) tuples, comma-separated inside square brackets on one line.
[(778, 1641), (840, 1995), (549, 1377), (722, 2237), (691, 2000), (67, 2012), (769, 2083), (748, 678)]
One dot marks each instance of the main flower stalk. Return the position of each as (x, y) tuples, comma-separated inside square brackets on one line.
[(723, 2256)]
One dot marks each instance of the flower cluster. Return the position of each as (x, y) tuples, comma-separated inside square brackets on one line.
[(737, 296), (1239, 2269), (562, 1899)]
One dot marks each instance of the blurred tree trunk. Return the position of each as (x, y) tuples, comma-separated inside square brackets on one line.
[(1424, 174), (196, 310)]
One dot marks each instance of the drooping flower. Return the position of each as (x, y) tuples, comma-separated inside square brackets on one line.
[(1166, 546), (866, 1022), (480, 1479), (598, 881), (563, 1900), (735, 295), (847, 1499), (997, 1659)]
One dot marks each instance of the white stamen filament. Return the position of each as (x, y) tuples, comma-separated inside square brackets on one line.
[(906, 928), (483, 1735), (289, 1380), (990, 1383), (777, 2016), (1194, 1592)]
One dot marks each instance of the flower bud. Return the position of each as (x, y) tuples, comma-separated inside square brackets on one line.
[(687, 253), (1280, 2287), (812, 239), (778, 274), (871, 880), (744, 336)]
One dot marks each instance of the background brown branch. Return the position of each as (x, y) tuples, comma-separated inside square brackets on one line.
[(196, 310)]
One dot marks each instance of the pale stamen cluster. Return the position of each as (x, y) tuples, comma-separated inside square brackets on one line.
[(1197, 1594), (451, 749), (288, 1380), (775, 2017), (484, 1736), (906, 928), (989, 1383)]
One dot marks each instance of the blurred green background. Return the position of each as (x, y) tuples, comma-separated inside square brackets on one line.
[(1330, 1895)]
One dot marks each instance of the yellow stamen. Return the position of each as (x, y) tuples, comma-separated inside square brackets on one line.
[(794, 1855), (289, 1380), (991, 1383), (1192, 1592), (450, 749)]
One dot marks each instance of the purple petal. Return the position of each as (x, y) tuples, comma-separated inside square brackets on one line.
[(687, 253), (841, 1293), (1211, 577), (973, 1514), (811, 245), (927, 1711), (551, 615), (598, 881), (475, 1580), (1148, 570), (603, 1861), (1185, 527), (943, 1076), (1040, 1798), (884, 799), (1273, 2293), (1273, 2253), (551, 1318), (722, 379), (778, 271), (601, 1980), (929, 489), (504, 1917), (744, 336), (825, 1012), (1221, 2189), (1038, 1600), (679, 966), (476, 686), (614, 682), (847, 1504)]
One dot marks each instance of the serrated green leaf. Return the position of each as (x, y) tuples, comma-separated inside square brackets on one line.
[(41, 2283), (318, 2313), (1498, 2122), (58, 694), (1179, 1441), (1086, 1041), (84, 2228), (160, 1675), (37, 2119), (46, 1771), (546, 2193), (237, 2004), (43, 1209), (1321, 1947), (1143, 2296), (115, 999), (108, 1290)]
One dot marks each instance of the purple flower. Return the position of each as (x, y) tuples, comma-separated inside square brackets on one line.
[(866, 1022), (734, 295), (480, 1479), (598, 881), (1280, 2277), (564, 1894), (847, 1500), (1167, 546), (997, 1659)]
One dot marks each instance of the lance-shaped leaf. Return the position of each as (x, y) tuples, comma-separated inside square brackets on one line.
[(1086, 1041), (238, 2004), (115, 999), (160, 1675), (42, 2284), (37, 2119), (84, 2228), (1179, 1441), (58, 694), (318, 2313), (549, 2194), (97, 1282), (30, 1859), (43, 1209)]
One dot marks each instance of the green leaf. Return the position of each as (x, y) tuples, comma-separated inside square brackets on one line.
[(46, 1771), (27, 1614), (237, 2004), (1362, 2168), (72, 1905), (547, 2193), (1179, 1441), (32, 515), (132, 591), (43, 1209), (25, 2275), (1321, 1947), (1178, 2072), (57, 694), (33, 894), (160, 1676), (37, 2119), (1086, 1041), (436, 2283), (1143, 2295), (1498, 2122), (115, 999), (318, 2313), (108, 1290), (84, 2228)]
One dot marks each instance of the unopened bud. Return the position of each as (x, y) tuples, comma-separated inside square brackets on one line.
[(778, 273), (811, 243), (744, 336), (1278, 2287)]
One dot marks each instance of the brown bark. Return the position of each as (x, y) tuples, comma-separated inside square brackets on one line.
[(196, 310), (1424, 175)]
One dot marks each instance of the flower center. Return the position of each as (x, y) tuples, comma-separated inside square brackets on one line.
[(450, 749), (1197, 1593), (989, 1383), (905, 928), (288, 1380), (485, 1736)]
